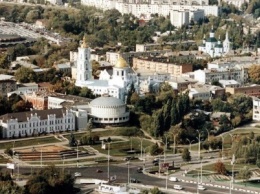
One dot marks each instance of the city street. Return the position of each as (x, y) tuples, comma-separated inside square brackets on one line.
[(121, 173)]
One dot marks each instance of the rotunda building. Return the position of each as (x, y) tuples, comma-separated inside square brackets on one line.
[(108, 110)]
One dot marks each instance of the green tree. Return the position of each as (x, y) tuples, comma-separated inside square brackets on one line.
[(186, 155), (156, 191), (50, 180), (254, 73), (72, 141), (25, 75), (245, 174), (220, 168), (155, 149), (4, 62)]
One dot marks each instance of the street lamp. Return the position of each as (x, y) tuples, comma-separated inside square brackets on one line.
[(232, 179), (108, 158), (144, 157), (174, 145), (222, 146), (190, 142), (128, 176), (165, 147), (77, 155), (141, 139), (166, 184), (41, 157), (199, 154), (208, 133), (199, 144), (13, 150)]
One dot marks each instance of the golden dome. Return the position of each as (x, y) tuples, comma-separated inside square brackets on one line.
[(121, 63), (84, 43)]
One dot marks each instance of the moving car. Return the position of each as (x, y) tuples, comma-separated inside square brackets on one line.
[(174, 179), (99, 171), (177, 187), (201, 187), (134, 180), (139, 170), (77, 174)]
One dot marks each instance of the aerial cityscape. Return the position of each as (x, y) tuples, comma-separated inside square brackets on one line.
[(129, 96)]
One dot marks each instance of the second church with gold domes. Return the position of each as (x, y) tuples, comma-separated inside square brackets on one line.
[(115, 85)]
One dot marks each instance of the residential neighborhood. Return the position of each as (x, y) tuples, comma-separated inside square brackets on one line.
[(129, 96)]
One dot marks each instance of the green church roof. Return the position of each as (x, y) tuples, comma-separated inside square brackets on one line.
[(212, 39)]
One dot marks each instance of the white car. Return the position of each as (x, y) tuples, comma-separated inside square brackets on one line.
[(173, 179), (77, 174), (201, 187), (177, 187)]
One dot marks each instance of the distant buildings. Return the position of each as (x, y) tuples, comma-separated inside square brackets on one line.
[(256, 109), (253, 90), (144, 9), (239, 74), (7, 84), (103, 110), (214, 47), (204, 91), (157, 65), (185, 16), (115, 85)]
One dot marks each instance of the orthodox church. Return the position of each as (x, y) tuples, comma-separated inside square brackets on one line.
[(115, 84), (214, 47)]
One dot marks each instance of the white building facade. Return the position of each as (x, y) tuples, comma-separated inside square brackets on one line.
[(115, 85), (182, 17), (108, 110), (146, 8), (214, 47), (256, 109), (31, 123), (208, 75)]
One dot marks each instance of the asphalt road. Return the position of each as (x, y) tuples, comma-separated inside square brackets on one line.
[(121, 173)]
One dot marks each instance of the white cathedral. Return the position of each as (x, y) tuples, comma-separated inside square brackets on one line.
[(214, 47), (116, 85)]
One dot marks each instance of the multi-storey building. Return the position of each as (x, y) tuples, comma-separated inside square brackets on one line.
[(156, 66), (146, 8), (184, 16), (256, 109), (204, 91), (240, 74), (181, 83), (35, 122), (7, 84), (38, 99), (253, 90)]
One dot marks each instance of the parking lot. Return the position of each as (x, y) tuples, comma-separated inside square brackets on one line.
[(28, 30)]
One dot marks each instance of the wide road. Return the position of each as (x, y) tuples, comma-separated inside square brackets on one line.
[(122, 175)]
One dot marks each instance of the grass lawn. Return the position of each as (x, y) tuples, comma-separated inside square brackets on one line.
[(28, 142), (228, 166), (120, 148)]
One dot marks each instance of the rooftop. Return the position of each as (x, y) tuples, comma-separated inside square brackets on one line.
[(43, 114), (6, 77)]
